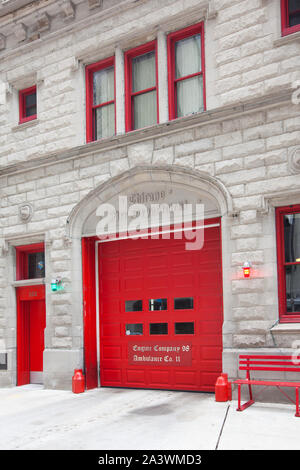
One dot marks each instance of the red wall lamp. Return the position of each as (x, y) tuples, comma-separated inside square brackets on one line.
[(247, 269)]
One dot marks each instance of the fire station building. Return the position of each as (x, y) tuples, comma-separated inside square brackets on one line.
[(174, 102)]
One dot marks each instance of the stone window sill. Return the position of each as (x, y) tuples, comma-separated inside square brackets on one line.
[(287, 39), (24, 125), (29, 282), (286, 328)]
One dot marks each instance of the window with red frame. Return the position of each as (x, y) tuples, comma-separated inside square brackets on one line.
[(186, 71), (27, 104), (30, 261), (141, 87), (290, 16), (288, 257), (100, 100)]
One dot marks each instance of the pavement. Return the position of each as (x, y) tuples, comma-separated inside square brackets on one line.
[(126, 419)]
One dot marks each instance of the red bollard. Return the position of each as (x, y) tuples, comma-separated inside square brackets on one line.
[(221, 388), (78, 381)]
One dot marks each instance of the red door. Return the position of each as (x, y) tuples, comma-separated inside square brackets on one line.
[(161, 313), (31, 325)]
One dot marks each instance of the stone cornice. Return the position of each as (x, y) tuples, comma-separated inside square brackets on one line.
[(159, 130), (11, 5), (204, 9), (96, 16)]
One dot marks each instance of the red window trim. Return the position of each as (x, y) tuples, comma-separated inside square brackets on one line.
[(89, 71), (22, 108), (284, 317), (172, 38), (22, 258), (286, 29), (129, 55)]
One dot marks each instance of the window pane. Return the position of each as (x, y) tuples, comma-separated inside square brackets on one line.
[(292, 237), (36, 265), (104, 121), (190, 96), (143, 72), (292, 275), (295, 19), (103, 86), (184, 328), (3, 361), (294, 5), (294, 12), (30, 105), (184, 303), (133, 305), (157, 304), (134, 329), (144, 110), (158, 328), (188, 56)]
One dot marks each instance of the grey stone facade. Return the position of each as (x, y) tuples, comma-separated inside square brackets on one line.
[(244, 150)]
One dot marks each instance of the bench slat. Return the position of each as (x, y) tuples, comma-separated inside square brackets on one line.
[(265, 382), (269, 363), (274, 369), (249, 356)]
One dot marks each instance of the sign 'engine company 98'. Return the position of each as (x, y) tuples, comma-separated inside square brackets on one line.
[(160, 354)]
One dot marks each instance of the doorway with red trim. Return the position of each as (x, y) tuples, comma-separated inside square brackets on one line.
[(31, 322)]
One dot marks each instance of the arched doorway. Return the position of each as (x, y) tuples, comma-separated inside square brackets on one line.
[(153, 311)]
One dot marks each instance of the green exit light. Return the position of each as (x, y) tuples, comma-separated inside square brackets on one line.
[(53, 286), (57, 285)]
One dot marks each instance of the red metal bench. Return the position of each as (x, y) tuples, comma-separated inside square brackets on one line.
[(267, 363)]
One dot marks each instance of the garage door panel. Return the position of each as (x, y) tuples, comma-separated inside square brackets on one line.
[(210, 352), (210, 340), (181, 260), (110, 306), (186, 378), (112, 352), (110, 329), (111, 376), (110, 286), (210, 327), (209, 302), (207, 366), (135, 376), (205, 264), (209, 282), (159, 377), (130, 265), (155, 293), (157, 281), (157, 286), (113, 267), (209, 314), (133, 284), (157, 261), (111, 250), (209, 379), (183, 279)]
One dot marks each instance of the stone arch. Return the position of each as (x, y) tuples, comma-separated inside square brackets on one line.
[(193, 180)]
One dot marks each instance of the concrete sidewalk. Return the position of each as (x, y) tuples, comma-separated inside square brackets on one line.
[(109, 419)]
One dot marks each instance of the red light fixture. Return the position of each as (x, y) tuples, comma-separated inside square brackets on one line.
[(247, 269)]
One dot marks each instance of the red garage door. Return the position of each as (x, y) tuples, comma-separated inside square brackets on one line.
[(161, 313)]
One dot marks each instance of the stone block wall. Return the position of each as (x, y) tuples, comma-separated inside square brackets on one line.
[(248, 140)]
